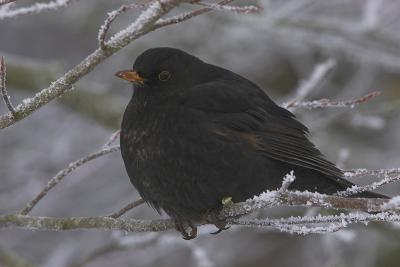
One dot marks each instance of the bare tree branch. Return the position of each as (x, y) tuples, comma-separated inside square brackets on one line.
[(149, 20), (232, 211), (3, 89), (236, 9), (64, 172), (127, 208), (326, 103), (34, 9), (111, 17), (319, 74)]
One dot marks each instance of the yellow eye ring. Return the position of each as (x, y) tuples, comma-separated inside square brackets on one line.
[(164, 76)]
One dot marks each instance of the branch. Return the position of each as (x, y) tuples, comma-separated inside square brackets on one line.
[(306, 224), (185, 16), (317, 76), (34, 9), (125, 209), (326, 103), (111, 17), (3, 89), (388, 176), (147, 21), (236, 9), (230, 212), (107, 149)]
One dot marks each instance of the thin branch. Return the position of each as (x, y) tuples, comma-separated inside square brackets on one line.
[(236, 9), (113, 137), (326, 103), (318, 75), (111, 17), (64, 172), (34, 9), (3, 89), (187, 15), (127, 208), (355, 189), (287, 181), (365, 172), (334, 222)]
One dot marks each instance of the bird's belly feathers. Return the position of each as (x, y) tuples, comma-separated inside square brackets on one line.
[(189, 171)]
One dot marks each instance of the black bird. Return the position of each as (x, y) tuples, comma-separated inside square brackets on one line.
[(195, 134)]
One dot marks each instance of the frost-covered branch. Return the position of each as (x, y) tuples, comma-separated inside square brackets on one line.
[(320, 223), (148, 20), (106, 149), (326, 103), (386, 211), (236, 9), (229, 212), (318, 75), (111, 17), (127, 208), (34, 9), (3, 89)]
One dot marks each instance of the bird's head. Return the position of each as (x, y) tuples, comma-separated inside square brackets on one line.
[(164, 71)]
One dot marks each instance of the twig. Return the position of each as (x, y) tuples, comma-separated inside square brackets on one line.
[(34, 9), (236, 9), (326, 103), (125, 209), (187, 15), (335, 222), (64, 172), (287, 181), (355, 189), (319, 74), (3, 89), (111, 17), (365, 172), (112, 139)]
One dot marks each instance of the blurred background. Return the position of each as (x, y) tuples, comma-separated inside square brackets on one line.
[(277, 48)]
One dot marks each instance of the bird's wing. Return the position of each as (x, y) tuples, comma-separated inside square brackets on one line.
[(246, 111)]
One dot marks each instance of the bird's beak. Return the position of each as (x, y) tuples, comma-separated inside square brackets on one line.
[(130, 75)]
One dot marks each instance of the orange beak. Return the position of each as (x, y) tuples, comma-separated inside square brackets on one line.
[(130, 76)]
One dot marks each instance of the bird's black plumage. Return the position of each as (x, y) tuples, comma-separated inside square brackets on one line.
[(194, 134)]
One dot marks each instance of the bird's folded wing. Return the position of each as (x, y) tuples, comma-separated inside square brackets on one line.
[(244, 110)]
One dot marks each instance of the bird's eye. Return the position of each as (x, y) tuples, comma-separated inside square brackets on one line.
[(164, 76)]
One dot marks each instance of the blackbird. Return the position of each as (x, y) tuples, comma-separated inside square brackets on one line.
[(195, 134)]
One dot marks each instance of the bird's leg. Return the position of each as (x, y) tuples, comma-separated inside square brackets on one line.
[(181, 227), (212, 216)]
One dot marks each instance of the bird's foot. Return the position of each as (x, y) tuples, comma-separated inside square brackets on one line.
[(187, 229), (212, 217), (221, 225)]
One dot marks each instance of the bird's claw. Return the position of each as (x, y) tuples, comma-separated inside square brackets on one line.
[(220, 230), (182, 228)]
